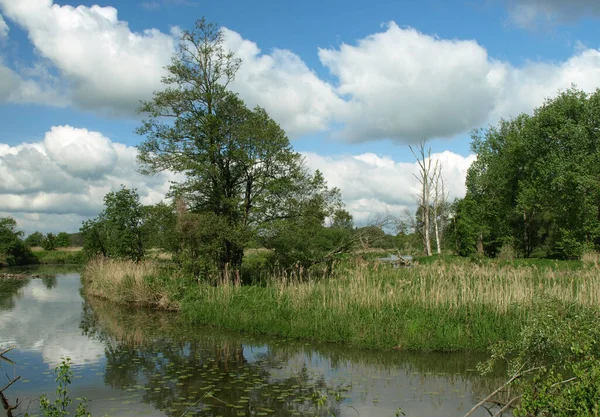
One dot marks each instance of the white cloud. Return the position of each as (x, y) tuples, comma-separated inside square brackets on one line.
[(530, 13), (283, 84), (54, 184), (397, 84), (65, 145), (372, 184), (408, 85), (3, 29), (526, 88), (108, 67)]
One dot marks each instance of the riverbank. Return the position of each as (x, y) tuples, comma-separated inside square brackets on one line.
[(442, 306)]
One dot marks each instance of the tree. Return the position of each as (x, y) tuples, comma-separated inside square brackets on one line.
[(423, 158), (118, 231), (439, 206), (49, 243), (342, 219), (536, 180), (63, 240), (34, 239), (241, 171), (13, 250)]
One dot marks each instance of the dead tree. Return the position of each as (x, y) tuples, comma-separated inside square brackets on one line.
[(440, 201), (423, 158)]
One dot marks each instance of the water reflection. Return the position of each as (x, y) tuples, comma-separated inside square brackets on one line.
[(133, 362), (176, 366)]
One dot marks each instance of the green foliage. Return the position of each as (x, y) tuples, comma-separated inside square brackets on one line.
[(59, 257), (59, 408), (34, 239), (159, 227), (241, 171), (555, 362), (49, 243), (118, 231), (301, 239), (536, 181), (63, 240), (13, 251)]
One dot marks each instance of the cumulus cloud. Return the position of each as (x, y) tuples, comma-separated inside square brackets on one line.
[(397, 84), (526, 87), (109, 67), (283, 84), (66, 145), (373, 183), (54, 184), (530, 13), (406, 84)]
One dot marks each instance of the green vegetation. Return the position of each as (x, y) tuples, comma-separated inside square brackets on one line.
[(117, 231), (13, 251), (59, 408), (442, 306), (60, 256), (34, 239), (535, 185), (49, 243), (554, 364)]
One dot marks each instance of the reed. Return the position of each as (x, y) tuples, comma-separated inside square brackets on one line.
[(438, 306)]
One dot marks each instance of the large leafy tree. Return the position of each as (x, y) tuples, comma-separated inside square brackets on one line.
[(118, 231), (240, 169), (536, 181)]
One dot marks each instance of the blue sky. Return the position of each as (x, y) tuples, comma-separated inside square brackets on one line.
[(352, 82)]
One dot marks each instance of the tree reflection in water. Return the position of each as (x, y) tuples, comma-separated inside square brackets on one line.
[(203, 375)]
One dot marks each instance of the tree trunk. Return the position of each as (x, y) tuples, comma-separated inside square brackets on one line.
[(437, 231), (426, 227)]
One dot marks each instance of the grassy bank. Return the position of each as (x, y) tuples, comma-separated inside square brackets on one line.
[(60, 256), (440, 306)]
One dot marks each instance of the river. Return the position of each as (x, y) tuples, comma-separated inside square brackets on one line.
[(131, 362)]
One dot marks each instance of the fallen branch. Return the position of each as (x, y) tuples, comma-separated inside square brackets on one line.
[(507, 383), (7, 407)]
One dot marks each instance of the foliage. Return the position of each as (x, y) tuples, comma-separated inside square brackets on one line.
[(34, 239), (49, 243), (118, 231), (159, 227), (59, 407), (63, 240), (555, 363), (58, 257), (241, 171), (13, 251), (536, 181), (302, 239)]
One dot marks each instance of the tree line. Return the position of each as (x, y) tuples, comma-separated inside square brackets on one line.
[(535, 186)]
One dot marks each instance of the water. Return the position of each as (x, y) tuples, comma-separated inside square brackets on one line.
[(131, 362)]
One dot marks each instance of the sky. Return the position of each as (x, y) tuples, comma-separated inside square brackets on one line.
[(352, 83)]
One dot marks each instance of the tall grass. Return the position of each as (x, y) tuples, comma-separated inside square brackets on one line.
[(62, 256), (126, 282), (440, 306)]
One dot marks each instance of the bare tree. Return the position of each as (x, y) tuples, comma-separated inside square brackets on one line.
[(423, 158), (440, 203)]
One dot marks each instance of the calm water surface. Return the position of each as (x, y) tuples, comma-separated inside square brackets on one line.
[(131, 362)]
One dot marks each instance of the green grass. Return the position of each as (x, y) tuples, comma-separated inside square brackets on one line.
[(443, 306), (60, 257)]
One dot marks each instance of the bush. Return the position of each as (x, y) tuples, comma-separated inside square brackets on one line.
[(13, 251)]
